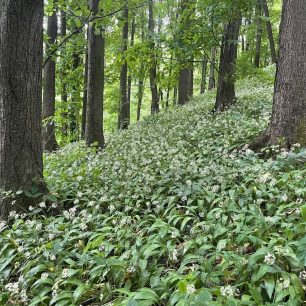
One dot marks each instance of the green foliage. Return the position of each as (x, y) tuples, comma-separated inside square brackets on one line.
[(168, 214)]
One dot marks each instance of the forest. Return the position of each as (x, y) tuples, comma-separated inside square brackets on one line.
[(152, 152)]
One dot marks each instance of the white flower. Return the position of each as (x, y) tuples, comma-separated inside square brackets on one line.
[(54, 205), (38, 226), (188, 183), (303, 275), (52, 257), (44, 275), (65, 273), (83, 226), (284, 198), (23, 296), (31, 208), (269, 259), (51, 236), (190, 289), (42, 205), (227, 291), (12, 287), (27, 255), (12, 214), (284, 283), (174, 255)]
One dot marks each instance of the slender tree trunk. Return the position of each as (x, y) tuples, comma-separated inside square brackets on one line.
[(288, 122), (48, 112), (21, 47), (140, 94), (84, 106), (124, 112), (269, 30), (64, 97), (153, 74), (175, 95), (226, 79), (129, 96), (258, 33), (95, 88), (169, 82), (212, 80), (203, 75)]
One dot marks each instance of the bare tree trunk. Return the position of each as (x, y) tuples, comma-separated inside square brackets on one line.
[(124, 112), (270, 32), (153, 74), (140, 95), (84, 106), (129, 96), (212, 80), (21, 47), (184, 85), (288, 122), (95, 88), (175, 95), (203, 75), (226, 79), (64, 97), (258, 33), (48, 111)]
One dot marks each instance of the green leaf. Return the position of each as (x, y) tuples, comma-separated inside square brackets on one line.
[(269, 286)]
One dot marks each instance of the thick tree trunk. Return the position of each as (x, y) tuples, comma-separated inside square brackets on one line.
[(21, 47), (49, 140), (184, 85), (212, 80), (95, 88), (140, 95), (226, 79), (288, 122), (84, 106), (258, 33), (124, 119), (153, 74), (270, 32), (203, 75)]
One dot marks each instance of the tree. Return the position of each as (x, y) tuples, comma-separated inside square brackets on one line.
[(288, 121), (152, 72), (212, 81), (226, 79), (21, 47), (269, 30), (49, 140), (258, 33), (95, 88), (124, 105), (203, 75)]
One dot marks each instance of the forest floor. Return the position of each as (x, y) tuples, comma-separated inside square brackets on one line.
[(168, 214)]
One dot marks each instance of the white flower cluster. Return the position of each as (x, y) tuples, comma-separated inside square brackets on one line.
[(227, 291), (190, 289), (303, 275), (269, 259), (2, 225)]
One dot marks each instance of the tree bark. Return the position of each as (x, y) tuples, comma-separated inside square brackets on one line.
[(203, 75), (49, 140), (226, 80), (288, 121), (94, 114), (270, 32), (124, 111), (21, 47), (258, 33), (152, 70), (212, 80), (84, 106), (64, 97), (129, 95)]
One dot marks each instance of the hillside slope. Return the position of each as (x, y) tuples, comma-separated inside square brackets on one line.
[(168, 214)]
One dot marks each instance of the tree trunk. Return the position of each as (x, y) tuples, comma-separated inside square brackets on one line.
[(84, 106), (184, 84), (64, 97), (226, 79), (258, 33), (124, 112), (140, 95), (153, 74), (175, 95), (48, 111), (270, 32), (129, 95), (288, 121), (21, 47), (95, 88), (212, 80), (203, 75)]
